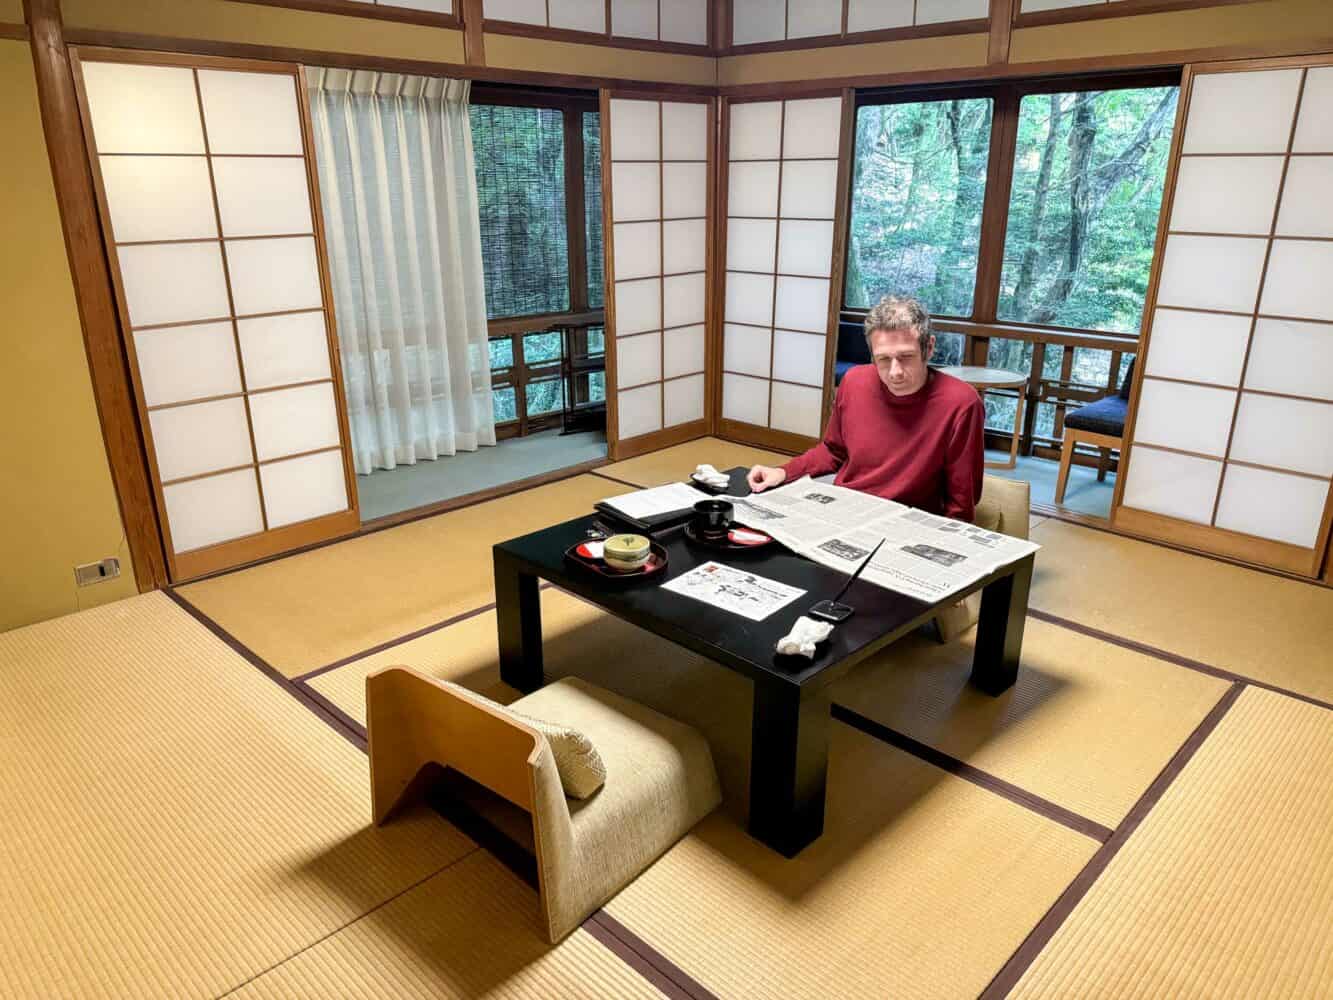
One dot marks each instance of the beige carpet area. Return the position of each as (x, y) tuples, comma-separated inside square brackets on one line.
[(676, 463), (311, 609), (921, 886), (174, 821), (1088, 725), (1226, 890), (468, 932), (1262, 626)]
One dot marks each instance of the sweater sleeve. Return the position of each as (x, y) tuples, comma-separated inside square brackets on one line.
[(825, 457), (964, 463)]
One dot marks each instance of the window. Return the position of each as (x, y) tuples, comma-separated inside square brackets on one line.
[(916, 202), (1089, 168), (1084, 191), (1025, 217), (539, 181), (520, 156)]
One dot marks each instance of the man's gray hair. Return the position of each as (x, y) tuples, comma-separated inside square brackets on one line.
[(901, 312)]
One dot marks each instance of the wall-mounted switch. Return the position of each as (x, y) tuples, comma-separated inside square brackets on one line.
[(90, 573)]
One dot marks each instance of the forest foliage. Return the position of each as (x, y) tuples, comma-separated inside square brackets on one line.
[(1088, 173)]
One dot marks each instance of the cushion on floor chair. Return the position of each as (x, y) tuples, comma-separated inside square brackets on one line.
[(1004, 507), (660, 778), (1105, 416)]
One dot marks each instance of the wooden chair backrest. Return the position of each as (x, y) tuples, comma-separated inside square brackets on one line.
[(413, 720)]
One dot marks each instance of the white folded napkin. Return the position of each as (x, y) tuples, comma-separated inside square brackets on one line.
[(711, 477), (801, 640)]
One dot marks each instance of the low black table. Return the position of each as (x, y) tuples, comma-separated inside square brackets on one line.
[(789, 740)]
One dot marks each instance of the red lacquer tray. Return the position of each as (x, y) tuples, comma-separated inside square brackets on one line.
[(657, 562)]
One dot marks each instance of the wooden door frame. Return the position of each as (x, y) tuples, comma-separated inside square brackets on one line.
[(94, 295)]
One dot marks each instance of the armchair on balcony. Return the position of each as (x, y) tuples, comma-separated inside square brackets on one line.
[(1100, 424)]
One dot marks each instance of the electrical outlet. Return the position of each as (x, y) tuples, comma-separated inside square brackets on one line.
[(90, 573)]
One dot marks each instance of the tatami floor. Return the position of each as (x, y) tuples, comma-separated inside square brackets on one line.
[(1147, 813)]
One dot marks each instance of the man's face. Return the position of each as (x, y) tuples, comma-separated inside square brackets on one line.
[(897, 357)]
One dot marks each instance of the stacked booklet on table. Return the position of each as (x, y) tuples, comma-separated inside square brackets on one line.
[(651, 509)]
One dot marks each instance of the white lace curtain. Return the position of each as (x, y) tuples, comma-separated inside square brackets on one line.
[(401, 214)]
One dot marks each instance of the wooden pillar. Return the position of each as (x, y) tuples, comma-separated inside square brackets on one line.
[(1001, 30), (474, 43), (93, 292)]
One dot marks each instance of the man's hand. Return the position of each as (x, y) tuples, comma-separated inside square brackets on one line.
[(762, 477)]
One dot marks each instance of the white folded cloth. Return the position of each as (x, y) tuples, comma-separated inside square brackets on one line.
[(801, 640), (710, 476)]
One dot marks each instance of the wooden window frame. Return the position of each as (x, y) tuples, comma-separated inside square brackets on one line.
[(983, 323), (966, 26), (1120, 8), (544, 31), (372, 9)]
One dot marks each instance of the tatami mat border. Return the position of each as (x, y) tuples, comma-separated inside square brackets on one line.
[(623, 482), (399, 640), (668, 977), (675, 982), (313, 700), (978, 777), (1040, 936), (655, 968), (1162, 654)]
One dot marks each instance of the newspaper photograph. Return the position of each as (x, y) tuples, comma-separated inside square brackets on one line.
[(924, 555)]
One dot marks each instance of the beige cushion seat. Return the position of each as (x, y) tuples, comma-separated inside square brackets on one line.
[(660, 779), (1005, 507)]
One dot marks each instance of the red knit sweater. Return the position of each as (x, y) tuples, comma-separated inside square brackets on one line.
[(925, 450)]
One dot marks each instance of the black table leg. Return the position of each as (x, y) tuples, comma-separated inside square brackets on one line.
[(518, 614), (788, 766), (1004, 608)]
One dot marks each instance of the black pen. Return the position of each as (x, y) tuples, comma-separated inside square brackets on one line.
[(832, 611), (857, 572)]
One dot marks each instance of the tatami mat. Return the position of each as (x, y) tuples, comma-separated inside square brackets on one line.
[(311, 609), (1226, 889), (1088, 725), (174, 821), (470, 931), (676, 463), (582, 640), (921, 886), (1262, 626)]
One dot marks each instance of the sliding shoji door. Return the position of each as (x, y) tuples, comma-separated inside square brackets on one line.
[(656, 176), (1232, 428), (785, 198), (211, 217)]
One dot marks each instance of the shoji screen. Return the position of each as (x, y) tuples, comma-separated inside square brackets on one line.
[(756, 22), (211, 222), (656, 164), (680, 21), (782, 201), (1232, 435)]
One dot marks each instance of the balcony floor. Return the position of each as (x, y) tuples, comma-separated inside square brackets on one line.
[(1083, 495)]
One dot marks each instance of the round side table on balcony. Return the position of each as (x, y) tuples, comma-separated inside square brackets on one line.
[(981, 379)]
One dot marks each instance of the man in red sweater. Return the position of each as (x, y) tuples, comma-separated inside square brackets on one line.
[(898, 430)]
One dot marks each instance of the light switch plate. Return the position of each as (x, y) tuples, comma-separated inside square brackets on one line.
[(90, 573)]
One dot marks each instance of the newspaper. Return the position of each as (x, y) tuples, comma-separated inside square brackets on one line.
[(923, 556)]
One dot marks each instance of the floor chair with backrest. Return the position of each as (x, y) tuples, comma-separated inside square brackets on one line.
[(660, 780)]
